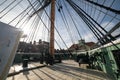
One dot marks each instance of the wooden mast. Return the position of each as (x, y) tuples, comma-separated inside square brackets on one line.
[(52, 28)]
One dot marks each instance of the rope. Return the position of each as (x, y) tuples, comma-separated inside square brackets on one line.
[(107, 39), (105, 7), (66, 26), (19, 14), (28, 18), (100, 11), (45, 24), (11, 8), (73, 21), (95, 22), (106, 12), (7, 6), (3, 2)]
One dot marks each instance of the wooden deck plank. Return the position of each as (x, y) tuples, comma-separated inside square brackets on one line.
[(67, 70)]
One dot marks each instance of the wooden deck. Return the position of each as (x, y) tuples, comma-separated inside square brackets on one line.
[(67, 70)]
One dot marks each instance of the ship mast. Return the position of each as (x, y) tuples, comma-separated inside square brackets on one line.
[(51, 50)]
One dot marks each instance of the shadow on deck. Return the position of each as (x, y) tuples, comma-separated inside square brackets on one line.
[(68, 70)]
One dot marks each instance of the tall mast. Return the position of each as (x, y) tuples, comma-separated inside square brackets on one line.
[(52, 28)]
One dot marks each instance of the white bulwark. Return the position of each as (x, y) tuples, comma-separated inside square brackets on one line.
[(9, 40)]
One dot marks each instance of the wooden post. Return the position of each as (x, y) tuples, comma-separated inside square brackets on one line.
[(52, 28)]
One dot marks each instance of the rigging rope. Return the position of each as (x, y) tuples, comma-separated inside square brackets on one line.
[(46, 26), (107, 12), (31, 29), (105, 37), (28, 18), (76, 26), (39, 25), (22, 16), (90, 26), (19, 14), (7, 6), (111, 37), (35, 27), (73, 21), (3, 2), (66, 26), (11, 8), (79, 12), (56, 30), (100, 10), (105, 7), (94, 11)]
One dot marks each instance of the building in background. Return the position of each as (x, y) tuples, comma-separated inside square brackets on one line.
[(82, 46), (35, 47)]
